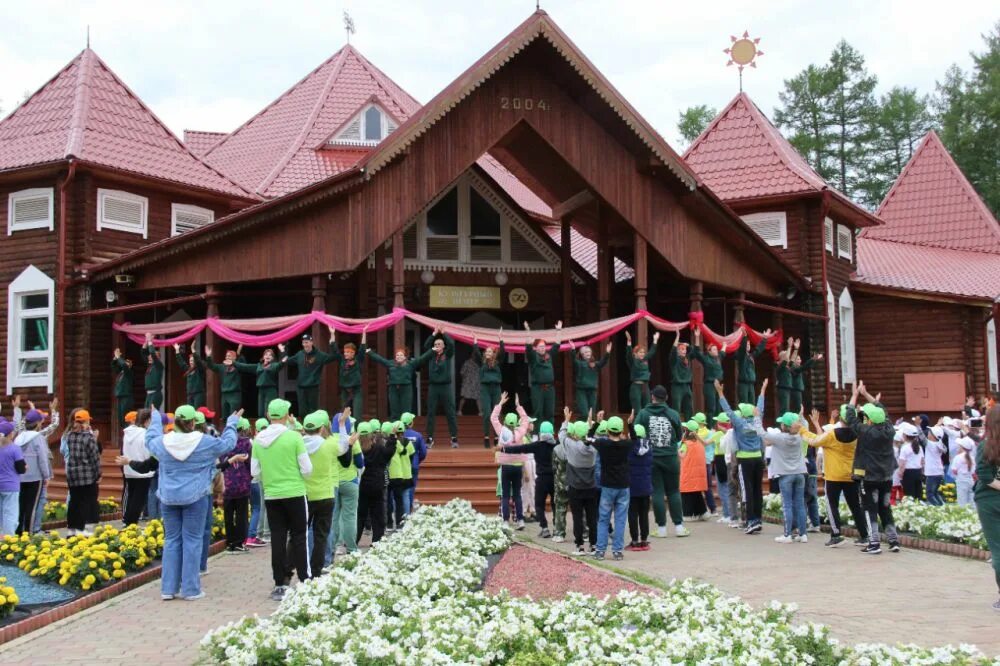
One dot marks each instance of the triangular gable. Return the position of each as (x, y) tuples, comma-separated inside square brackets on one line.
[(85, 111), (932, 203), (354, 132)]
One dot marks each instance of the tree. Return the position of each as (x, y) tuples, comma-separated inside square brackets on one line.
[(693, 121), (902, 119), (852, 112), (802, 112)]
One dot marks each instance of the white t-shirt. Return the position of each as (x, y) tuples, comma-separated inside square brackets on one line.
[(911, 459), (953, 436), (933, 466), (960, 467)]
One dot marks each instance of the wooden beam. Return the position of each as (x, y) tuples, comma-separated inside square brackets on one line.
[(317, 288), (381, 302), (398, 284), (604, 259), (575, 202), (212, 395), (697, 372), (640, 263), (566, 263)]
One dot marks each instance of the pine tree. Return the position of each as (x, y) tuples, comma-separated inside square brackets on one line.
[(803, 113), (902, 120), (851, 110), (693, 121)]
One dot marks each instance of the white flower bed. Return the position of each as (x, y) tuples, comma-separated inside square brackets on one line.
[(948, 522), (410, 600)]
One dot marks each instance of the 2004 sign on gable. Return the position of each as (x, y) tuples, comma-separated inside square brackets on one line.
[(525, 103)]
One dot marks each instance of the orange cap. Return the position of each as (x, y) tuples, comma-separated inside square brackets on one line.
[(130, 417), (82, 416)]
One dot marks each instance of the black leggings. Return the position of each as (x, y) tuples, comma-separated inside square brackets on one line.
[(510, 488), (875, 495), (545, 488), (638, 518), (371, 506), (851, 493), (288, 518), (751, 473), (81, 508), (320, 520), (27, 500), (913, 483), (234, 511), (134, 499), (583, 505)]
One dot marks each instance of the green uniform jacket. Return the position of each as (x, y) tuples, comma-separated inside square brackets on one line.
[(711, 364), (229, 375), (638, 371), (653, 418), (310, 366), (746, 362), (439, 365), (123, 382), (784, 375), (588, 372), (986, 473), (267, 377), (680, 368), (401, 375), (488, 374), (798, 375), (194, 378), (350, 372), (541, 366), (154, 370)]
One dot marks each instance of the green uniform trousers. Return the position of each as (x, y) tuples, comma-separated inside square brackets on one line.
[(308, 398), (586, 400), (711, 397), (794, 400), (345, 516), (560, 499), (265, 394), (988, 509), (443, 394), (353, 397), (124, 406), (543, 402), (667, 483), (489, 397), (197, 400), (680, 399), (638, 395), (745, 393), (400, 400), (231, 402), (154, 399), (784, 399)]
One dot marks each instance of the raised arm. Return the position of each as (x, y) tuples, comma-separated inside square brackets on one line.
[(651, 352), (381, 360), (495, 414)]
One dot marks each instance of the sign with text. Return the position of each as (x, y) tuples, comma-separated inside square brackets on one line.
[(465, 297)]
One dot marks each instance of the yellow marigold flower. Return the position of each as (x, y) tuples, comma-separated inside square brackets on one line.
[(85, 586), (13, 599), (93, 564), (119, 573), (90, 579)]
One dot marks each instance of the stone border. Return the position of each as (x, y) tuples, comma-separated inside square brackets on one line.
[(914, 542), (45, 618)]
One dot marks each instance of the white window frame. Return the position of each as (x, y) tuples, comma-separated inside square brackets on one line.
[(188, 208), (831, 338), (103, 194), (30, 282), (388, 125), (828, 237), (779, 215), (842, 252), (848, 356), (992, 372), (32, 193)]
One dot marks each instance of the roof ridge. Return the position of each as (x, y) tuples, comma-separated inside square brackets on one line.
[(81, 104), (379, 77), (779, 142), (712, 125)]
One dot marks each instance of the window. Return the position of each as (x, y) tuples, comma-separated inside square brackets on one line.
[(831, 337), (991, 355), (122, 211), (828, 234), (485, 241), (29, 334), (371, 125), (769, 226), (184, 218), (30, 209), (848, 368), (844, 239), (442, 228)]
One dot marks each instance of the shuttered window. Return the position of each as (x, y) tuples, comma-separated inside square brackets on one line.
[(30, 209), (991, 355), (771, 227), (368, 127), (828, 234), (122, 211), (844, 240), (30, 300), (848, 366), (831, 337), (184, 218)]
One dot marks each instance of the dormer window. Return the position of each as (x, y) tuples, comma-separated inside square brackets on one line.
[(371, 125)]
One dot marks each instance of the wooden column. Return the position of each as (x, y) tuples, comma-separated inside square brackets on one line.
[(739, 316), (778, 323), (697, 372), (212, 396), (381, 300), (398, 283), (566, 273), (317, 287), (604, 258), (641, 288)]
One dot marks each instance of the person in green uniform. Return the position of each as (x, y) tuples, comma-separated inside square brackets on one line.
[(123, 385), (194, 375), (351, 360), (711, 363), (663, 431), (230, 384), (543, 390), (440, 389), (153, 382), (266, 373), (637, 359), (588, 371), (402, 370), (680, 378), (310, 362), (799, 380), (490, 378), (746, 364), (784, 372), (987, 492)]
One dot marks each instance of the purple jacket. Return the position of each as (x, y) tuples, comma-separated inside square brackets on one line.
[(237, 476), (640, 467)]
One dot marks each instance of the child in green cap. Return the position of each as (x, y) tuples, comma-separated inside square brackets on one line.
[(235, 467)]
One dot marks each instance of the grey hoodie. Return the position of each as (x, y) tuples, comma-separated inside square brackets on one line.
[(787, 456), (35, 450), (581, 461)]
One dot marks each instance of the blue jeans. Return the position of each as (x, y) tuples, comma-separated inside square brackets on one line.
[(183, 540), (207, 536), (793, 502), (8, 511), (256, 501), (724, 496), (612, 499), (812, 500), (40, 509), (152, 500), (933, 494)]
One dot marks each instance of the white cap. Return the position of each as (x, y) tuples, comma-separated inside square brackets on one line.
[(828, 427), (976, 414), (967, 443), (947, 422), (908, 429), (898, 437), (938, 432)]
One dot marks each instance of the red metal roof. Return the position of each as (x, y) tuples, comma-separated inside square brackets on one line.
[(932, 270), (514, 188), (86, 112), (199, 142), (932, 203), (584, 252), (281, 149)]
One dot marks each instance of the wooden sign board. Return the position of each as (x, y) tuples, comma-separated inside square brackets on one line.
[(476, 298), (934, 391)]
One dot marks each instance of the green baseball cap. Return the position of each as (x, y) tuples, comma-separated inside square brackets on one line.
[(365, 428), (700, 418), (388, 428), (615, 425), (375, 424), (546, 428), (398, 425), (640, 430), (746, 410), (875, 414), (324, 415), (313, 422), (243, 424), (186, 413), (260, 424), (278, 408), (580, 429), (199, 418), (788, 419), (407, 418), (510, 420), (692, 425), (722, 418), (297, 426), (843, 412), (602, 428)]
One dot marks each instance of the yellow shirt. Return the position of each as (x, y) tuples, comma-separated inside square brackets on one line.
[(838, 456)]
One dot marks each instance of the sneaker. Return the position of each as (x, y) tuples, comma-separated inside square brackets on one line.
[(893, 546), (544, 533), (722, 521), (661, 532), (579, 552), (278, 593), (454, 442), (633, 546), (834, 541), (737, 525), (264, 540), (486, 443), (200, 595), (813, 528), (861, 542), (802, 539), (743, 526), (203, 572), (783, 539), (520, 524), (430, 442), (599, 555), (872, 549), (644, 545), (341, 550), (754, 528), (167, 597), (253, 542), (558, 539), (681, 531), (705, 517), (617, 555), (996, 605)]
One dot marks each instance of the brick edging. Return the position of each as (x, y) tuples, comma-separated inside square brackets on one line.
[(917, 543), (45, 618)]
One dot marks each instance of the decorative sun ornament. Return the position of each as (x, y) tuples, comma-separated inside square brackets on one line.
[(743, 51)]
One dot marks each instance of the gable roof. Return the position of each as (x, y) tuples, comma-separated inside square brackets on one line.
[(199, 142), (86, 112), (281, 149), (933, 204), (741, 155)]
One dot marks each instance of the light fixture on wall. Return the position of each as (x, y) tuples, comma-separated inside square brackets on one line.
[(501, 278), (427, 277)]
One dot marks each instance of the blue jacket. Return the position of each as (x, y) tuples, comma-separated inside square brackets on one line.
[(640, 468), (746, 431), (187, 460), (420, 448)]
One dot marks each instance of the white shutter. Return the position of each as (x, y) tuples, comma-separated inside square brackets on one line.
[(30, 209), (831, 338), (848, 366), (991, 354), (844, 240), (828, 234), (390, 125), (184, 218), (122, 211), (771, 227), (352, 132)]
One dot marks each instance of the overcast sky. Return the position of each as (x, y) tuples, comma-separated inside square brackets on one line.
[(211, 65)]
